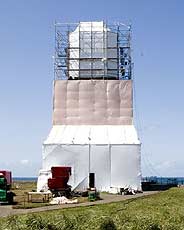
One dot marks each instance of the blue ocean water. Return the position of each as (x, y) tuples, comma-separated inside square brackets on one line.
[(25, 178), (164, 180), (154, 179)]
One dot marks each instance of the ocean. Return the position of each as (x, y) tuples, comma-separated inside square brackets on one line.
[(25, 178), (164, 180), (154, 179)]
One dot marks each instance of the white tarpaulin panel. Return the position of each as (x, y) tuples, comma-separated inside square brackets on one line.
[(112, 152), (92, 102), (100, 165), (92, 134), (125, 166), (115, 166), (75, 156)]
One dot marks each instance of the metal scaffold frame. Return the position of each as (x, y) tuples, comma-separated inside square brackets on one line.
[(63, 60)]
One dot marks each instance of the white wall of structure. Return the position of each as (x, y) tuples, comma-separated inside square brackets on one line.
[(111, 152)]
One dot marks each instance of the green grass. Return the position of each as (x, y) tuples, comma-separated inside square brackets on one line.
[(164, 210)]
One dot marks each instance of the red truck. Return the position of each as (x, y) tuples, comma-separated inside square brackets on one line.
[(8, 176), (6, 196)]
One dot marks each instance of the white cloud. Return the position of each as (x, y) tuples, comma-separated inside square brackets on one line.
[(24, 162)]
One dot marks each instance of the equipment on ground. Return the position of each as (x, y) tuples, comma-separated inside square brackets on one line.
[(6, 196), (58, 183)]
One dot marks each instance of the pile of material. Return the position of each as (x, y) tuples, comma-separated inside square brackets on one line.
[(129, 191), (63, 200)]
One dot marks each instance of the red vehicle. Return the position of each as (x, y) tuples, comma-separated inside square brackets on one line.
[(6, 196), (8, 176)]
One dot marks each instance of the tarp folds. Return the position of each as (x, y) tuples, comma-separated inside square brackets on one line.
[(100, 164), (92, 102), (75, 156), (125, 166), (111, 152), (92, 134), (42, 185)]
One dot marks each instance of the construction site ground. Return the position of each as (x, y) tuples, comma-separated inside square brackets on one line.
[(7, 210)]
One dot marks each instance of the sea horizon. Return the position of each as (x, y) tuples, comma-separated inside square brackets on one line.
[(157, 179)]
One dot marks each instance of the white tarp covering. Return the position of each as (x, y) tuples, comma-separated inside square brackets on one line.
[(101, 166), (111, 152), (93, 51), (92, 134), (75, 156), (43, 177), (125, 166), (63, 200)]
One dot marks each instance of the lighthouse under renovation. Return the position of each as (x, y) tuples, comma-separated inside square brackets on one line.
[(92, 128)]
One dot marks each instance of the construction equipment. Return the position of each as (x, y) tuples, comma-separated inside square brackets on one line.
[(6, 196), (58, 183)]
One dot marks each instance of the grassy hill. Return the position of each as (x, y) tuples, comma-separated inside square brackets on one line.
[(164, 210)]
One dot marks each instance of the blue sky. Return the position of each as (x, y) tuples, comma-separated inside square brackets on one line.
[(26, 74)]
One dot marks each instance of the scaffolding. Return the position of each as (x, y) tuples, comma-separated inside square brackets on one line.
[(92, 50)]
